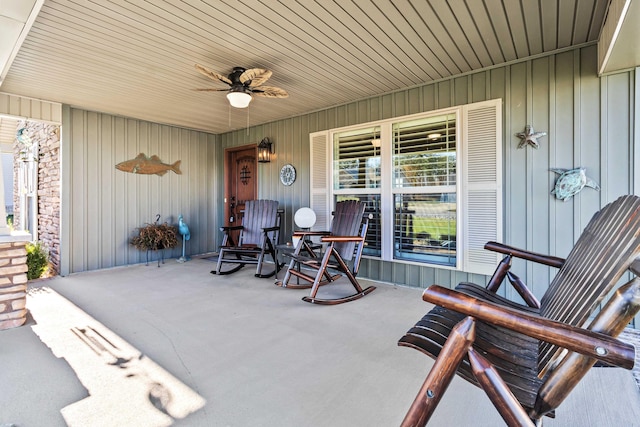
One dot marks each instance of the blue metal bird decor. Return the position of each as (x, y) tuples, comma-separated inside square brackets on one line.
[(183, 229)]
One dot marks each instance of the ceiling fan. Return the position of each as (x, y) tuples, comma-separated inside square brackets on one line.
[(243, 83)]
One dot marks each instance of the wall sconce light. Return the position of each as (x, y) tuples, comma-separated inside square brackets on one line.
[(264, 151)]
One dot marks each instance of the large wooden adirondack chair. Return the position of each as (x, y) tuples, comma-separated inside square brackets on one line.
[(258, 236), (345, 242), (528, 358)]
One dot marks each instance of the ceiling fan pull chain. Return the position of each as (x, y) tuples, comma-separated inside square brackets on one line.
[(247, 121)]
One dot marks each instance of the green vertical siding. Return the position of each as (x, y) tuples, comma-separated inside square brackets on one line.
[(102, 206), (588, 123)]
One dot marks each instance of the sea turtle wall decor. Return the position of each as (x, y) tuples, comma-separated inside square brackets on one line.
[(570, 182), (529, 137)]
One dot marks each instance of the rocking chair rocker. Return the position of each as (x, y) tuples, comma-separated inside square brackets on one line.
[(345, 243), (528, 359), (258, 236)]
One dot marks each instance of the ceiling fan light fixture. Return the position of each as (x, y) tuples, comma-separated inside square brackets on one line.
[(239, 99)]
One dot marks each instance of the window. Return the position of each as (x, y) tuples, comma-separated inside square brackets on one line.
[(432, 182), (356, 176), (424, 189)]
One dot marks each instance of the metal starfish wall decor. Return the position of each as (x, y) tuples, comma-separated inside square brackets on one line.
[(529, 137)]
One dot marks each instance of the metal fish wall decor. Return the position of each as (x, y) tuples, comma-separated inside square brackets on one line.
[(148, 165)]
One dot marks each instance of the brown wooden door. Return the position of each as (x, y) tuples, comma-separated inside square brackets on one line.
[(240, 180)]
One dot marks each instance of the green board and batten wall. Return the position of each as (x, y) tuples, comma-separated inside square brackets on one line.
[(102, 206), (589, 122)]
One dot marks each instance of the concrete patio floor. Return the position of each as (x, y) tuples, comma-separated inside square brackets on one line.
[(175, 345)]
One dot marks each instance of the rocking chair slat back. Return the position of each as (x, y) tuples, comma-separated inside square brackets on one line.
[(346, 222), (602, 254), (258, 214)]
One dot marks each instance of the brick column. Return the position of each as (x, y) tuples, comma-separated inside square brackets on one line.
[(13, 280)]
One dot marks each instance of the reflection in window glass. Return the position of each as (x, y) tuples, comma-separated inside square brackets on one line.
[(425, 227), (425, 152), (357, 159), (373, 240)]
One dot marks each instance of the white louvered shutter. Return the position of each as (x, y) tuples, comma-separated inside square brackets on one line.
[(320, 163), (482, 188)]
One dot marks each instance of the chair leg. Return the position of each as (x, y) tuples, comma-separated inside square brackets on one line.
[(270, 250), (350, 276), (287, 275), (218, 269), (321, 269), (494, 386), (292, 264), (460, 339), (345, 269)]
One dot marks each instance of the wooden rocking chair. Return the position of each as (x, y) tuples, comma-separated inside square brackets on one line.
[(528, 359), (345, 244), (258, 236)]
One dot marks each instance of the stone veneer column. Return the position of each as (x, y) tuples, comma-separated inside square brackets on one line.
[(48, 138), (13, 280)]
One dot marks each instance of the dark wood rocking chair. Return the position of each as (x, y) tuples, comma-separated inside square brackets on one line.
[(528, 358), (258, 236), (345, 245)]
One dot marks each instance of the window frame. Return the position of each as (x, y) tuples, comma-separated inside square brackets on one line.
[(468, 251)]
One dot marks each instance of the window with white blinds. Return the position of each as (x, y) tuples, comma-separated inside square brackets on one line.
[(424, 152), (357, 159), (356, 176), (424, 188), (422, 177)]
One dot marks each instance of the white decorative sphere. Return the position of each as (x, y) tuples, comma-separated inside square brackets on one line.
[(305, 218)]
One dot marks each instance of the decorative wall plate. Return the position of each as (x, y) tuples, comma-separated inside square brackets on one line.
[(287, 174)]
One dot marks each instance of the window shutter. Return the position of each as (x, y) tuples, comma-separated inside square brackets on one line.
[(482, 188), (320, 165)]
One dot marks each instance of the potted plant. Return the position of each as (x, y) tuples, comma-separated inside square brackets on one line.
[(156, 236)]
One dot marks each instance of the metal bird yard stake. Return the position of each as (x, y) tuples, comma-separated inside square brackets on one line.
[(183, 229)]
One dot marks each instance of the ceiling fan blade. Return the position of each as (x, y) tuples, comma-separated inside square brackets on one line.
[(212, 74), (256, 76), (270, 92), (212, 90)]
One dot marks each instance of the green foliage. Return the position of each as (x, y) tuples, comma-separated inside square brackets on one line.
[(37, 260), (155, 236), (435, 227)]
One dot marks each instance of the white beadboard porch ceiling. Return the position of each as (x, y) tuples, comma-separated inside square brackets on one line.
[(136, 58)]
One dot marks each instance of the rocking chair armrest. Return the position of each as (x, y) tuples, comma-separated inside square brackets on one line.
[(593, 344), (524, 254), (231, 227), (338, 239), (310, 233), (268, 229)]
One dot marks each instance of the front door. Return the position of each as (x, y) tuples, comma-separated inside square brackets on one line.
[(240, 180)]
